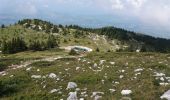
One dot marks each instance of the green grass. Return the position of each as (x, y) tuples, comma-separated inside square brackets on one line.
[(18, 84), (144, 87), (42, 64), (17, 59), (31, 35), (7, 61)]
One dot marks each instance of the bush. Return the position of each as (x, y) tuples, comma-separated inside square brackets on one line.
[(97, 49), (51, 42), (76, 41), (36, 46), (156, 82), (3, 66), (7, 88), (109, 50), (65, 41), (36, 42), (14, 45), (10, 86)]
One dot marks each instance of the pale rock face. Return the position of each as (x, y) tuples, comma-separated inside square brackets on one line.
[(81, 99), (112, 90), (126, 92), (102, 81), (97, 97), (112, 63), (52, 75), (121, 76), (95, 65), (122, 71), (163, 84), (162, 79), (102, 61), (11, 76), (72, 96), (77, 68), (166, 95), (77, 89), (36, 76), (71, 85), (116, 82), (54, 90), (28, 69), (138, 70), (159, 74), (138, 50)]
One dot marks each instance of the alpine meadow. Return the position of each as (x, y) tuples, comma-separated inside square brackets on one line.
[(84, 50)]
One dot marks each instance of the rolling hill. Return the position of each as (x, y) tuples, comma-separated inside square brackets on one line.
[(125, 40), (37, 62)]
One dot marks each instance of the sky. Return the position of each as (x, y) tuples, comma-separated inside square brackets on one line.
[(150, 17)]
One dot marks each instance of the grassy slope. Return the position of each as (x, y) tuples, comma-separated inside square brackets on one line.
[(91, 40), (17, 30), (144, 87), (22, 86)]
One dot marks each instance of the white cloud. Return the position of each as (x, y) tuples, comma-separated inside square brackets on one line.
[(26, 8), (155, 13), (117, 4), (45, 6), (152, 12), (137, 3)]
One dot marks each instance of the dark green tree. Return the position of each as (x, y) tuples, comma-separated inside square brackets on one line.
[(2, 26), (14, 45), (97, 50), (51, 42), (55, 29)]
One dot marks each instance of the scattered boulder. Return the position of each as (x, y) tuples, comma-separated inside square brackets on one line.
[(126, 92), (28, 69), (36, 76), (112, 90), (166, 95), (72, 96), (54, 90), (71, 85), (138, 70), (52, 75), (112, 63), (97, 95)]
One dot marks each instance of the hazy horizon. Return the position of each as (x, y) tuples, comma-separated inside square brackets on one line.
[(144, 16)]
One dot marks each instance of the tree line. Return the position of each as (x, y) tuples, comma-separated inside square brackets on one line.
[(149, 43), (18, 44), (40, 25)]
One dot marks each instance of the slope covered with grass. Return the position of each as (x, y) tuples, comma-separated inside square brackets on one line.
[(51, 73), (97, 74)]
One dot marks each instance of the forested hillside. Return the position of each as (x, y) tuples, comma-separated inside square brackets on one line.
[(142, 41)]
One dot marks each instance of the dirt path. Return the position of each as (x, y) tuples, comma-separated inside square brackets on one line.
[(27, 63)]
